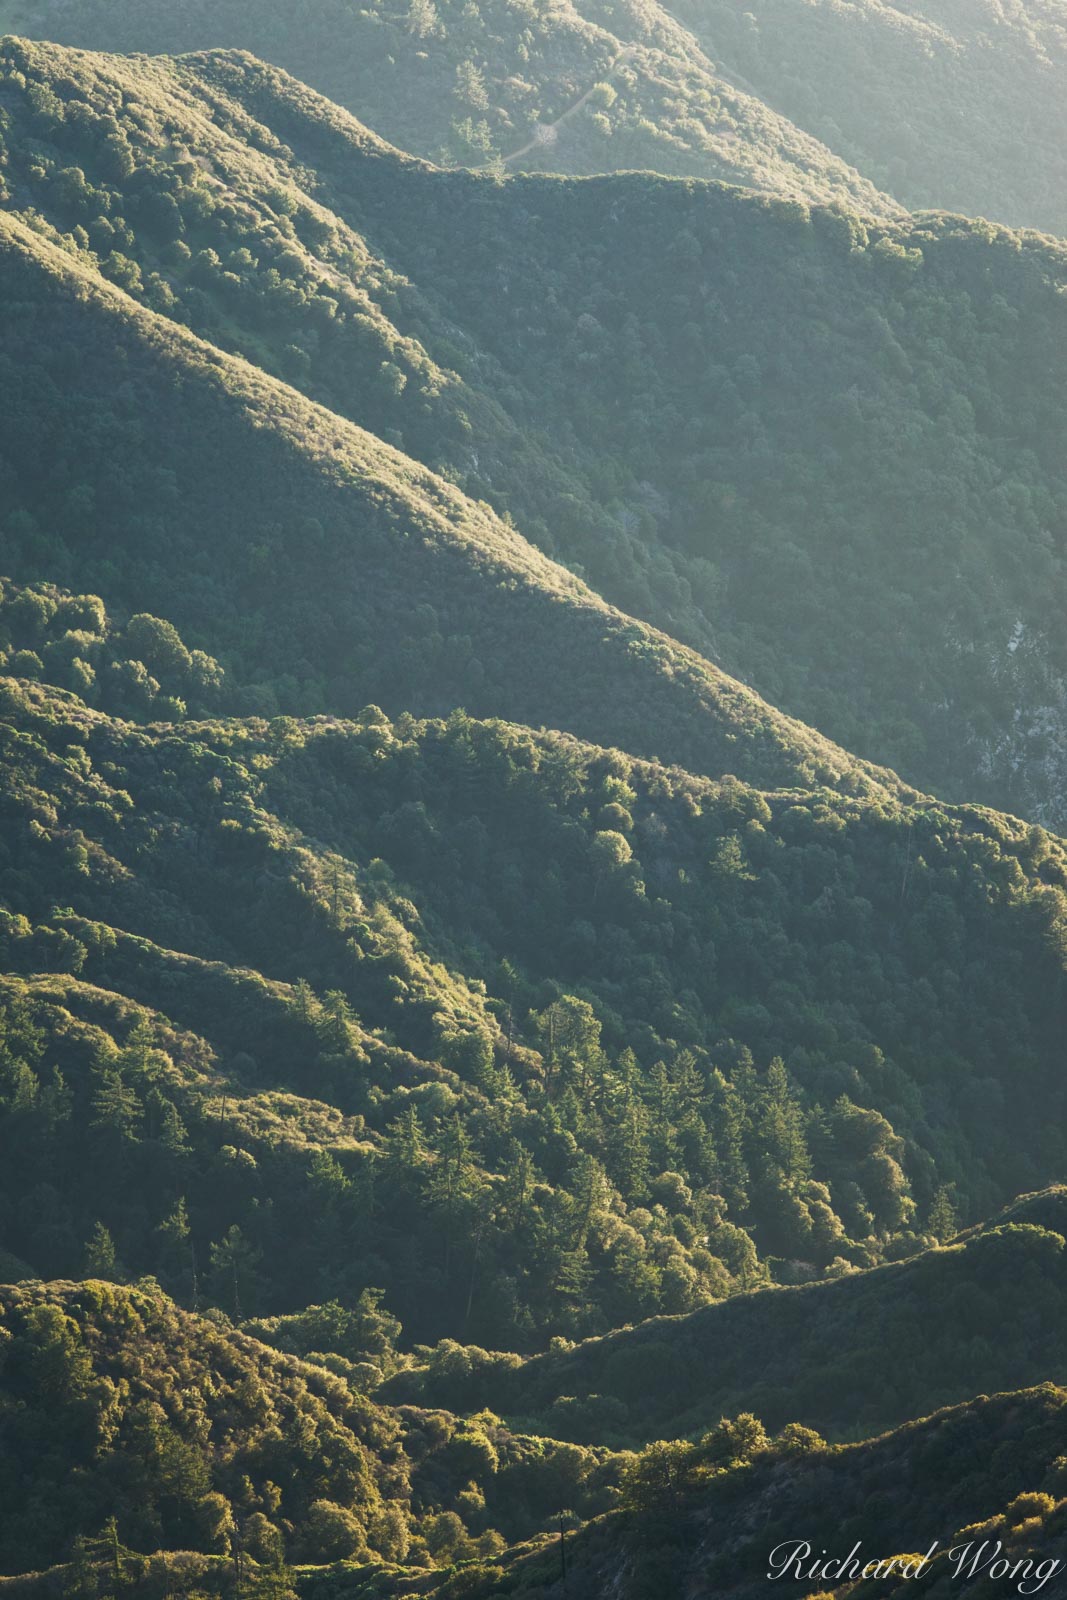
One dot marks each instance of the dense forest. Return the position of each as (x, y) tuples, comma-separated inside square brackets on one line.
[(170, 1432), (804, 462), (533, 936), (723, 1035), (977, 1490)]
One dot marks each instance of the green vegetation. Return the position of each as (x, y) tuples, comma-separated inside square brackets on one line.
[(321, 566), (139, 1428), (146, 1430), (849, 1357), (479, 1086), (954, 105), (506, 86), (722, 1033), (804, 461), (702, 1518)]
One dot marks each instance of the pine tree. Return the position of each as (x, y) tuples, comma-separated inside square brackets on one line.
[(404, 1149), (305, 1005), (235, 1277), (592, 1195), (115, 1105), (56, 1103), (628, 1150), (139, 1059), (729, 1135), (943, 1222), (518, 1186), (335, 1024), (177, 1259), (781, 1135), (453, 1184), (100, 1258)]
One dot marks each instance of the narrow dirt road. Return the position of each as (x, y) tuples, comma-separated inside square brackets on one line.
[(545, 136)]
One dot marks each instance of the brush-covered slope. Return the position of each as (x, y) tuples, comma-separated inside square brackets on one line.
[(953, 106), (804, 460), (980, 1489), (565, 1038), (130, 1428), (849, 1357), (146, 1430), (333, 570), (563, 87), (956, 104)]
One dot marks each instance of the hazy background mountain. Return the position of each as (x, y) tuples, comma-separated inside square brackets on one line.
[(959, 105), (557, 88), (943, 104)]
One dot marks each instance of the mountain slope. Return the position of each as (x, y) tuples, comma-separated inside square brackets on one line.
[(524, 994), (954, 107), (122, 432), (316, 1016), (978, 1490), (194, 1437), (850, 1358), (175, 1422), (954, 104), (577, 89), (804, 461), (189, 1436)]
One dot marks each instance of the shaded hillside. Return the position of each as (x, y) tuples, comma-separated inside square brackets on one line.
[(956, 104), (848, 1358), (130, 1427), (617, 1018), (190, 1436), (568, 1038), (578, 89), (328, 567), (703, 1520), (804, 461)]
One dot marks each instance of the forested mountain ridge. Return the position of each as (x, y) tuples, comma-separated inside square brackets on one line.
[(724, 1034), (576, 89), (334, 563), (427, 978), (951, 104), (954, 106), (181, 1433), (978, 1488), (850, 1357), (227, 1459), (804, 461)]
